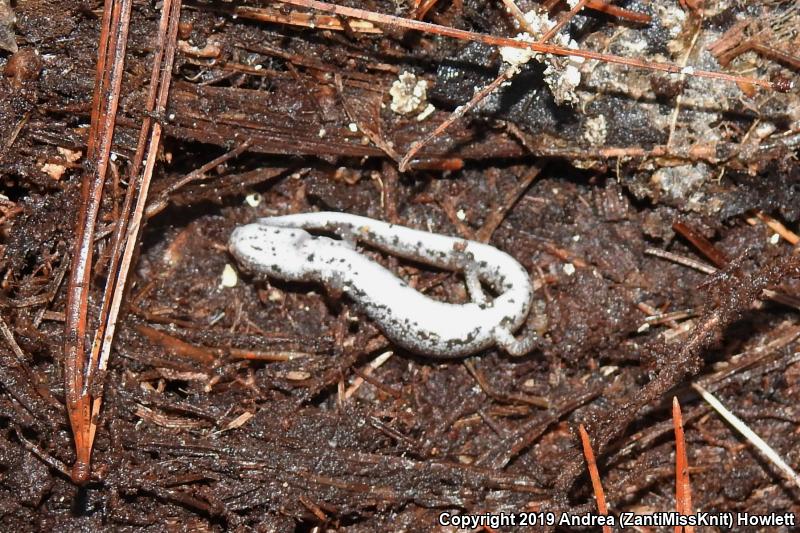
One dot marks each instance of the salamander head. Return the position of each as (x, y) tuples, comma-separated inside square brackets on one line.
[(275, 251)]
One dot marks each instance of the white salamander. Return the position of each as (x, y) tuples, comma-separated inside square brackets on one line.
[(281, 248)]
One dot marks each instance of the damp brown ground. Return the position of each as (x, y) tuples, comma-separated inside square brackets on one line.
[(259, 406)]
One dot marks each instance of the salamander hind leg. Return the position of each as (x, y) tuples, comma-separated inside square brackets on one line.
[(474, 288), (513, 346)]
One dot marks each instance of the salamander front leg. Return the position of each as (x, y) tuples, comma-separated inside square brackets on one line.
[(513, 346)]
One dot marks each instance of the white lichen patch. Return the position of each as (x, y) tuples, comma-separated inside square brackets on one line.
[(409, 94), (516, 57), (595, 130), (634, 46), (562, 74), (681, 182), (672, 17), (428, 111)]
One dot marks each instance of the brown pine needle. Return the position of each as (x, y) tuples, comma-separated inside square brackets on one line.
[(619, 12), (705, 246), (681, 260), (109, 71), (130, 222), (683, 489), (591, 464), (492, 40), (84, 369)]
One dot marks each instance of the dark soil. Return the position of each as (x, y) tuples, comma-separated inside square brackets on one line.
[(208, 425)]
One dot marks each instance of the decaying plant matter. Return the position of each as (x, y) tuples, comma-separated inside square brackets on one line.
[(637, 157)]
